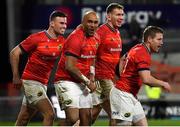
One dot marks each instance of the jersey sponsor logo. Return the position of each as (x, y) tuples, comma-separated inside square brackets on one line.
[(59, 46), (87, 56), (40, 93), (115, 49), (115, 113), (67, 102), (128, 114)]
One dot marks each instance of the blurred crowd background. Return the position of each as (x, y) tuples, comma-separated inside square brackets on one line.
[(19, 18)]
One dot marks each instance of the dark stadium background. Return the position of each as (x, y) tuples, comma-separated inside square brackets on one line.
[(32, 16)]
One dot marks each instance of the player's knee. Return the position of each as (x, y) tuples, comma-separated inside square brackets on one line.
[(71, 121)]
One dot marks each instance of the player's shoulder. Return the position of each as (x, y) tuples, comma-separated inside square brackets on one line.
[(102, 31), (37, 35), (76, 35), (102, 27), (137, 49), (139, 52), (78, 32)]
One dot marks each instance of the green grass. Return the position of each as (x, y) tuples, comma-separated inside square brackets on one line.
[(166, 122), (163, 122), (104, 122)]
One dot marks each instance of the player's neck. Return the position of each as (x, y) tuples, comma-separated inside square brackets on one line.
[(52, 34), (109, 24), (147, 46)]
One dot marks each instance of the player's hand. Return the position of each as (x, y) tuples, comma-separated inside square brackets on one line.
[(17, 82), (92, 86), (166, 87)]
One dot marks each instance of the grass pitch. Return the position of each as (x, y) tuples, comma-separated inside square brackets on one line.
[(104, 122)]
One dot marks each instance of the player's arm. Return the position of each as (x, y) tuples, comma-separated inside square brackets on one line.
[(70, 66), (92, 71), (122, 63), (14, 60), (148, 79)]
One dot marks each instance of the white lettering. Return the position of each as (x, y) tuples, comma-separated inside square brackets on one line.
[(115, 49), (142, 16), (87, 56)]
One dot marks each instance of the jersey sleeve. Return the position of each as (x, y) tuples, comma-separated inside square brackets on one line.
[(142, 60), (29, 44), (74, 45)]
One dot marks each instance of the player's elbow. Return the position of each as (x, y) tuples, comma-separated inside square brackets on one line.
[(12, 54), (15, 52), (146, 77)]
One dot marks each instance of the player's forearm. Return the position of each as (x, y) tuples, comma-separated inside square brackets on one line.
[(75, 73), (151, 81), (14, 61)]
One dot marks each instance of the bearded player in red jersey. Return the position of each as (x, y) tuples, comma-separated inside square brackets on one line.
[(43, 48), (108, 56), (125, 107), (73, 77)]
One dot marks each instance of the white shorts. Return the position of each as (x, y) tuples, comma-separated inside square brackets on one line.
[(71, 94), (34, 91), (102, 91), (125, 106)]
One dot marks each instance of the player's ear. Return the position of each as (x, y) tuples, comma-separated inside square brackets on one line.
[(108, 17), (51, 23), (149, 39)]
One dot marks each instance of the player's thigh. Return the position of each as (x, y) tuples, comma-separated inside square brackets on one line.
[(72, 114), (106, 85), (97, 95), (106, 107), (34, 91), (121, 105), (85, 116), (45, 107), (139, 118), (68, 94), (96, 110)]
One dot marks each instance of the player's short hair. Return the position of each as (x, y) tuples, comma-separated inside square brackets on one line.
[(55, 14), (151, 31), (113, 6)]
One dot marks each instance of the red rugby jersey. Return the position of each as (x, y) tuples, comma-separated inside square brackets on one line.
[(108, 53), (84, 48), (137, 59), (42, 52)]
